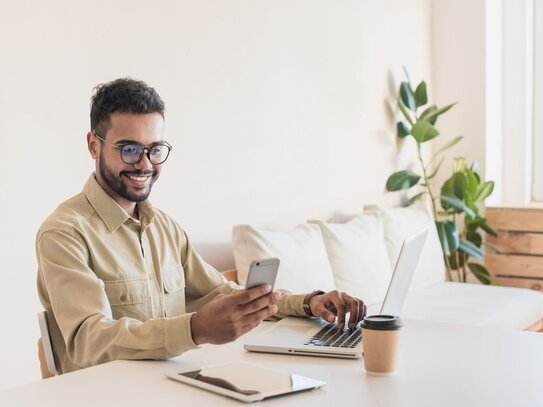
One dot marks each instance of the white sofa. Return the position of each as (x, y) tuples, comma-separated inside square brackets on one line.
[(357, 256)]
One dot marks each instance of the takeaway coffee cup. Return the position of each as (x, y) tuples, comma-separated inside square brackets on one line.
[(381, 335)]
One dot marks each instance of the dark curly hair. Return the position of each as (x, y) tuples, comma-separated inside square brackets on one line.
[(124, 95)]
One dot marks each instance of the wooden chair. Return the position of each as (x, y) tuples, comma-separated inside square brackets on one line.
[(46, 355), (231, 275)]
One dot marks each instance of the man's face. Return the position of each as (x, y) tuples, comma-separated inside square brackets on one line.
[(128, 183)]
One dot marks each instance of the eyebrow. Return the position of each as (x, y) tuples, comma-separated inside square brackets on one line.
[(124, 142)]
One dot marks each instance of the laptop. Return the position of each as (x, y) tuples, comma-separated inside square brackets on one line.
[(317, 337)]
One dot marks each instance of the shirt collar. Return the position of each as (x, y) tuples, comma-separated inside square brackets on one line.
[(110, 211)]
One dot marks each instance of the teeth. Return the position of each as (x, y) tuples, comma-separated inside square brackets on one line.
[(137, 178)]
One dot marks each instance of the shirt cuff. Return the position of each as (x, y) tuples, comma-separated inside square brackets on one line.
[(291, 304), (178, 335)]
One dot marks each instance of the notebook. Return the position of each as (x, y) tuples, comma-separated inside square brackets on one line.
[(317, 337)]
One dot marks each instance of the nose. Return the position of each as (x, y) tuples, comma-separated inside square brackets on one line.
[(144, 163)]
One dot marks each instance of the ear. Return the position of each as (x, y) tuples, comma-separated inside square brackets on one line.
[(92, 145)]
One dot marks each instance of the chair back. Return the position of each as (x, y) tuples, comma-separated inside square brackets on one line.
[(46, 355), (231, 275)]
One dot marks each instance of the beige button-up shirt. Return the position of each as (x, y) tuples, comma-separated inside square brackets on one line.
[(115, 287)]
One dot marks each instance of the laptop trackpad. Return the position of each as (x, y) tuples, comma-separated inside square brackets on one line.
[(287, 335)]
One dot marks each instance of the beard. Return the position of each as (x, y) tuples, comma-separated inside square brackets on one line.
[(118, 185)]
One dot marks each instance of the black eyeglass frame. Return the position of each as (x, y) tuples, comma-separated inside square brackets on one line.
[(145, 150)]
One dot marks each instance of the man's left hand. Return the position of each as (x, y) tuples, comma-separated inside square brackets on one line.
[(335, 303)]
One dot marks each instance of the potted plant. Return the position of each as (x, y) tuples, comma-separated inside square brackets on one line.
[(455, 208)]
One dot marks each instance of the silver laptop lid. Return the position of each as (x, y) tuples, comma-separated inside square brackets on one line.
[(403, 273)]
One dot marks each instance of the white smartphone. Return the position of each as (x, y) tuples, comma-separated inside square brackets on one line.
[(262, 271)]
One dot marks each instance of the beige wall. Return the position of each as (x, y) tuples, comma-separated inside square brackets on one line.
[(458, 70), (277, 111)]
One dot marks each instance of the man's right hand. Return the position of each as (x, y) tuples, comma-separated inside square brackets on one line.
[(227, 317)]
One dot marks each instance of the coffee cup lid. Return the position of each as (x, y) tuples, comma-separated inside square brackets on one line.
[(382, 322)]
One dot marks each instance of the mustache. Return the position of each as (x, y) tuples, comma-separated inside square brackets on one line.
[(139, 173)]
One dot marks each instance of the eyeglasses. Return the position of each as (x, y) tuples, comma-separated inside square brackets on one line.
[(132, 153)]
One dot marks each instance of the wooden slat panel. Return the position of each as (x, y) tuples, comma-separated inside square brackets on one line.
[(516, 242), (521, 282), (514, 265), (537, 327), (523, 219)]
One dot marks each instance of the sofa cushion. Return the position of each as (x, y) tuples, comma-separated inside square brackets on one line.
[(474, 304), (399, 224), (358, 255), (304, 264)]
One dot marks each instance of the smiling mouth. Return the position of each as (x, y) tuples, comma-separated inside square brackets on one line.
[(139, 180)]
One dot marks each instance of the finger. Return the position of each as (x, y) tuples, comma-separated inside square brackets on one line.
[(354, 309), (338, 302), (245, 296), (323, 312), (320, 308), (257, 304), (259, 316), (335, 304), (361, 310)]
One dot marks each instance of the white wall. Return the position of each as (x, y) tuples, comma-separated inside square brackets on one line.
[(458, 69), (277, 111)]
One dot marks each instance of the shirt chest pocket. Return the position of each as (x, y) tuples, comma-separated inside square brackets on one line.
[(129, 298), (174, 291)]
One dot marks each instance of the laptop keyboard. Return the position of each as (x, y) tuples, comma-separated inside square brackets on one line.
[(330, 335)]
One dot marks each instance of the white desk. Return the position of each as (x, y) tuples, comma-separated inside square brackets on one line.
[(440, 365)]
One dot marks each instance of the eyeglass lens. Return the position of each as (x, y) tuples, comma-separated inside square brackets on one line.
[(133, 153)]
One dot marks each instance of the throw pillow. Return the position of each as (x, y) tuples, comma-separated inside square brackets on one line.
[(304, 265), (358, 255)]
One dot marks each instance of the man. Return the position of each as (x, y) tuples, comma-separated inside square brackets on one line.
[(120, 278)]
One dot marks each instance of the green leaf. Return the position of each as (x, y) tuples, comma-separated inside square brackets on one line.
[(402, 180), (433, 174), (483, 191), (470, 204), (403, 130), (421, 98), (475, 167), (448, 145), (472, 182), (414, 199), (406, 72), (406, 94), (427, 112), (481, 273), (469, 248), (438, 112), (475, 238), (452, 201), (404, 111), (457, 260), (423, 131), (444, 214), (455, 186), (459, 164), (448, 236), (481, 222)]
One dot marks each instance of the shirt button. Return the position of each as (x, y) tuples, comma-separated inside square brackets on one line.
[(123, 297), (150, 276)]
